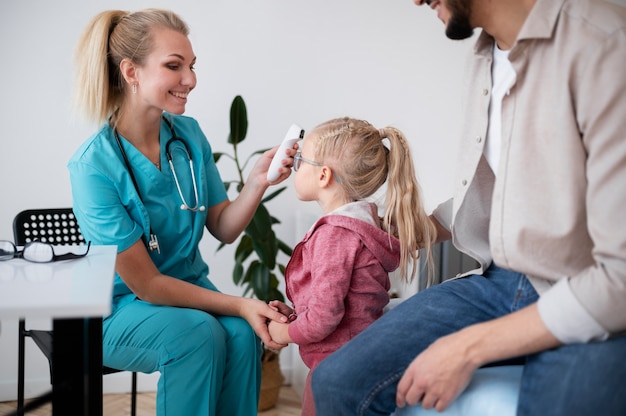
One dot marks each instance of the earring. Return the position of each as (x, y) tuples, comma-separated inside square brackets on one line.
[(134, 88)]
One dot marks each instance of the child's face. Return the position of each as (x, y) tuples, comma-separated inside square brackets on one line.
[(305, 180)]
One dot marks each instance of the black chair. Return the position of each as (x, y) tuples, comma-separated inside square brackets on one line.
[(56, 226)]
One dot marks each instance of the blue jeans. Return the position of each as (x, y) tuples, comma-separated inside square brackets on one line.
[(361, 377)]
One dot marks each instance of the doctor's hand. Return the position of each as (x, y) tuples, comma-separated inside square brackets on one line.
[(257, 313), (436, 376), (259, 172)]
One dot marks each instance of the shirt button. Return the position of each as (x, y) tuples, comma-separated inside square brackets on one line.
[(464, 182), (479, 139), (485, 91)]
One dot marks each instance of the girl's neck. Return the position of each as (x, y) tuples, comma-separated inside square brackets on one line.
[(331, 201)]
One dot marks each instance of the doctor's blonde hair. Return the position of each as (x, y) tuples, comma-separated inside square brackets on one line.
[(110, 37), (357, 154)]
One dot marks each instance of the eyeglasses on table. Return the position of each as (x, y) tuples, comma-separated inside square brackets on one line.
[(36, 252)]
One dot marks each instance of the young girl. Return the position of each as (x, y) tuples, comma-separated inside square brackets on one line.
[(338, 275), (146, 182)]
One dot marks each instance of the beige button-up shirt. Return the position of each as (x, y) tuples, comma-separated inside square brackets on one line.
[(556, 208)]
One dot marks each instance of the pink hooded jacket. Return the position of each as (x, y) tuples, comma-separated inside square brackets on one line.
[(338, 279)]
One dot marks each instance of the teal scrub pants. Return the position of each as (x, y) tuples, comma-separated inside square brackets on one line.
[(209, 365)]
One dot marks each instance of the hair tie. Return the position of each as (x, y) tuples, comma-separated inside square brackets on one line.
[(384, 139)]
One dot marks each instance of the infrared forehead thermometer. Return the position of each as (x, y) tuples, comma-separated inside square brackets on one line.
[(294, 135)]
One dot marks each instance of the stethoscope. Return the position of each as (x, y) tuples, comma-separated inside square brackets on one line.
[(153, 242), (184, 149)]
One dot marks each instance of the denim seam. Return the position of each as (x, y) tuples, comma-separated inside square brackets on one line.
[(377, 389), (525, 294)]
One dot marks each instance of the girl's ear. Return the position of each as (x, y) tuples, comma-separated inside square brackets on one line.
[(129, 71), (325, 176)]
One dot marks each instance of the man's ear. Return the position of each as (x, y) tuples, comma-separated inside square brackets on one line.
[(129, 71)]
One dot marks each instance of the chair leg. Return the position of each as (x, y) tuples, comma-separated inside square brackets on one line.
[(20, 369), (133, 395)]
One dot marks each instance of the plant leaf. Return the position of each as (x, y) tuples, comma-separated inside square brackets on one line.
[(274, 293), (284, 248), (266, 250), (244, 249), (247, 277), (273, 194), (263, 237), (237, 273), (261, 225), (261, 282), (247, 291), (257, 278), (238, 121)]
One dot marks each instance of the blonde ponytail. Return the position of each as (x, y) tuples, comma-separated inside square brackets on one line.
[(404, 206)]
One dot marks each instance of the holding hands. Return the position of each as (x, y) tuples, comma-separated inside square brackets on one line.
[(259, 315), (278, 330)]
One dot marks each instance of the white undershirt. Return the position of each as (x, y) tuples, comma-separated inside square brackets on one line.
[(503, 76)]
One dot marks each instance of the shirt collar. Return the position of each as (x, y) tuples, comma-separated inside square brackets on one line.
[(539, 24)]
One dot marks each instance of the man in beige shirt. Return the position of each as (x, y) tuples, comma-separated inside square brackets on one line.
[(541, 205)]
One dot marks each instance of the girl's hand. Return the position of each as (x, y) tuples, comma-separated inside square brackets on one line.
[(279, 332), (258, 313), (282, 308)]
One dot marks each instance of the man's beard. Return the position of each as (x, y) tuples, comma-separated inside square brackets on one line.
[(459, 26)]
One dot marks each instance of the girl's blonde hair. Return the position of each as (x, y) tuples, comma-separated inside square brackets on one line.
[(109, 38), (362, 162)]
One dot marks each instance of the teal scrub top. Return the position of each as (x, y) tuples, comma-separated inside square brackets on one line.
[(110, 211)]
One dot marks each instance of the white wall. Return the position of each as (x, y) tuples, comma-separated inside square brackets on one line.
[(292, 60)]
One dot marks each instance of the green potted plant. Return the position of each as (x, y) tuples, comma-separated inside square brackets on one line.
[(256, 256)]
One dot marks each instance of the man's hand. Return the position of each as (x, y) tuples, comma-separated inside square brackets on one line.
[(438, 375), (443, 370)]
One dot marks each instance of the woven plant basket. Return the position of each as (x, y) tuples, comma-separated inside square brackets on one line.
[(271, 380)]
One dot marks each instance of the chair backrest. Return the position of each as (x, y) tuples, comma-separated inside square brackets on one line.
[(51, 225)]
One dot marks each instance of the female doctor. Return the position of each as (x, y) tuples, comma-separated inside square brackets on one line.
[(135, 72)]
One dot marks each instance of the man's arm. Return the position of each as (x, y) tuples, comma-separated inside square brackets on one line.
[(443, 234), (442, 371)]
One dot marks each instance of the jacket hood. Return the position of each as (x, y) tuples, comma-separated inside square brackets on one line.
[(361, 217)]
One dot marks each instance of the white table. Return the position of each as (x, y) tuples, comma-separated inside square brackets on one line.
[(75, 294)]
